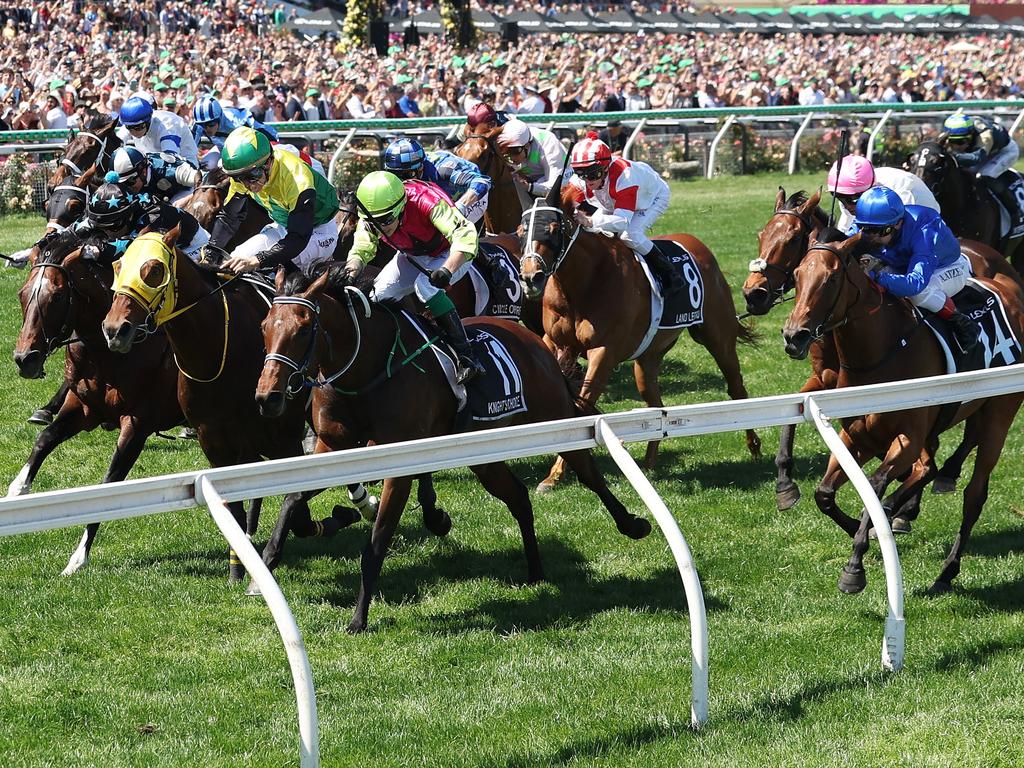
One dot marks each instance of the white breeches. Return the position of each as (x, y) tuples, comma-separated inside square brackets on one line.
[(635, 235), (400, 277), (947, 281), (320, 247)]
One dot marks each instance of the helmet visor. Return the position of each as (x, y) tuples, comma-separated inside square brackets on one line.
[(248, 175), (591, 172)]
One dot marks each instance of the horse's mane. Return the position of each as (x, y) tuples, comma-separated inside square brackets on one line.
[(101, 121), (831, 235), (53, 249), (795, 200), (297, 281)]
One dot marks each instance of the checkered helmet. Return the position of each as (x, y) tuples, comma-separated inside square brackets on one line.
[(403, 155)]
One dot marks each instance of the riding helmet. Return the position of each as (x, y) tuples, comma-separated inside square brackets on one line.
[(404, 155), (244, 148), (856, 175), (959, 127), (128, 163), (479, 113), (590, 152), (135, 111), (207, 110), (110, 207), (879, 207), (381, 194), (515, 133)]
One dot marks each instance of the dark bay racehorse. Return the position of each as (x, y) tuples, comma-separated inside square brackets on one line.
[(867, 324), (503, 207), (966, 205), (63, 302), (94, 145), (215, 336), (353, 341), (782, 243), (597, 304)]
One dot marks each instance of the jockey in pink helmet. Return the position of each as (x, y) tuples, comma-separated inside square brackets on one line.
[(857, 175)]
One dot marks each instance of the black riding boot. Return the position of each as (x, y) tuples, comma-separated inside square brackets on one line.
[(966, 331), (1005, 196), (661, 266), (496, 267), (468, 366)]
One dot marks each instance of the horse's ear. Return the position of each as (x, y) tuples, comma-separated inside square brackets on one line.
[(850, 244), (812, 202), (780, 199), (86, 177), (279, 280), (171, 238), (319, 285)]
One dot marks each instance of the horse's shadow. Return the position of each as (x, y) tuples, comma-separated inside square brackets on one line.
[(621, 386)]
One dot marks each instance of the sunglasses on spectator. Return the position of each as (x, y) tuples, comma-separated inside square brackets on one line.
[(878, 231), (592, 173)]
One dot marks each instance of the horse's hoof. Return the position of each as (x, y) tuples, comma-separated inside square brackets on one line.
[(345, 516), (943, 485), (852, 580), (236, 572), (786, 497), (637, 528), (546, 487), (329, 526), (356, 627), (253, 590), (41, 417), (901, 525), (438, 522), (369, 509), (75, 564), (939, 588)]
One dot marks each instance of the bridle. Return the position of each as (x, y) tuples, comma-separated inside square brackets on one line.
[(299, 375), (100, 156), (64, 334), (529, 221), (763, 266), (827, 325)]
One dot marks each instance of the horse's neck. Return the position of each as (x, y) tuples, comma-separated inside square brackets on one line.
[(197, 335), (875, 325), (589, 255), (92, 297), (349, 337)]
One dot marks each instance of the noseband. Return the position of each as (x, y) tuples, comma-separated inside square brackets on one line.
[(529, 218), (762, 266)]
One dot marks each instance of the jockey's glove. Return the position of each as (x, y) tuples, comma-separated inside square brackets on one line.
[(354, 268), (871, 264), (441, 277)]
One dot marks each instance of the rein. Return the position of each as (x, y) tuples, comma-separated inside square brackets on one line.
[(530, 253), (64, 335)]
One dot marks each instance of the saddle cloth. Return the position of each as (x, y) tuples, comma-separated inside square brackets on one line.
[(507, 304), (998, 346), (1011, 223), (686, 307), (491, 397)]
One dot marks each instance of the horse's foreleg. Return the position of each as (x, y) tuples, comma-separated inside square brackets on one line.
[(68, 423), (945, 481), (835, 477), (392, 502), (130, 442), (582, 462), (236, 571), (499, 481), (787, 492)]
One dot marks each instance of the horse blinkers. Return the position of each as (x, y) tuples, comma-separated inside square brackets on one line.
[(542, 240)]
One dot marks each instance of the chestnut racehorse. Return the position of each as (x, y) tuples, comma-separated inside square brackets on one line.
[(214, 332), (868, 325), (63, 302), (597, 304), (503, 208), (782, 243), (381, 398)]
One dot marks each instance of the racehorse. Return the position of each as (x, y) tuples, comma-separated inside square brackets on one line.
[(870, 325), (968, 209), (782, 243), (63, 301), (214, 333), (382, 398), (92, 145), (504, 210), (208, 198), (597, 303)]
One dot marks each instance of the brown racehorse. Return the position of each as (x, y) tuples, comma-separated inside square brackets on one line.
[(504, 210), (869, 325), (597, 303), (208, 198), (218, 347), (782, 243), (93, 145), (383, 400), (63, 302), (966, 207)]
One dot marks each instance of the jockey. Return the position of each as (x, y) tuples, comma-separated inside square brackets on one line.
[(162, 175), (482, 118), (300, 201), (916, 256), (857, 175), (628, 197), (115, 217), (984, 147), (152, 131), (435, 244), (537, 158), (214, 122), (460, 179)]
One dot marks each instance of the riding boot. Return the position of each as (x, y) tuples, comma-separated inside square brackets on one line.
[(660, 264), (468, 365), (1005, 195), (966, 330), (496, 266)]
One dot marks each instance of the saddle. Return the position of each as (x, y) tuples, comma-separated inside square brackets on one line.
[(505, 302), (1011, 222)]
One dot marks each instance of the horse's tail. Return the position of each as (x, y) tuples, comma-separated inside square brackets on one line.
[(747, 334)]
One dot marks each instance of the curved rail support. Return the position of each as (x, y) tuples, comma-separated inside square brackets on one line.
[(337, 153), (606, 436), (794, 148), (305, 694), (895, 624), (875, 131), (714, 146), (626, 150)]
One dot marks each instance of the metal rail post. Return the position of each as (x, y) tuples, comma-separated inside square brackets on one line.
[(794, 149), (632, 138), (714, 146), (875, 131), (337, 153)]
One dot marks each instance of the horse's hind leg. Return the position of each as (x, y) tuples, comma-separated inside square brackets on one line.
[(499, 481), (236, 571), (945, 481), (252, 517), (436, 520), (583, 464), (392, 502), (722, 346), (130, 442), (645, 371)]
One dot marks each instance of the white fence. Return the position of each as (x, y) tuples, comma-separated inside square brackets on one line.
[(76, 507)]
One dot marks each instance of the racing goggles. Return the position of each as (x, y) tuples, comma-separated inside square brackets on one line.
[(385, 219), (848, 199), (591, 172), (249, 175), (878, 230)]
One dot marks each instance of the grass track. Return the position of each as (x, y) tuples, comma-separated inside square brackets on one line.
[(148, 658)]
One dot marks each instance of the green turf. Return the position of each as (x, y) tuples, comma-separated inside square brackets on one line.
[(149, 658)]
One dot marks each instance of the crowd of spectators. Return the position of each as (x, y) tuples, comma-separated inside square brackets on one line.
[(64, 60)]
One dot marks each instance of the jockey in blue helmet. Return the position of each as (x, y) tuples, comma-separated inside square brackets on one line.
[(155, 130), (914, 254), (459, 178), (986, 148), (161, 175), (214, 122)]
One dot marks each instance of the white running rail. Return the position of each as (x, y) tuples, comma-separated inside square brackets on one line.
[(134, 498)]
